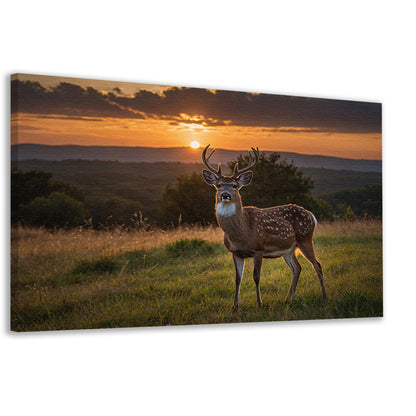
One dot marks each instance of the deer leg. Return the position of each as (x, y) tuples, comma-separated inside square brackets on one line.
[(296, 268), (258, 259), (239, 268), (309, 253)]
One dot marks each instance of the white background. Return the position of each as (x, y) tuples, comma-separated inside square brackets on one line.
[(360, 50)]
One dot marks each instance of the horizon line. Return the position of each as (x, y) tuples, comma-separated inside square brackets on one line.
[(188, 147)]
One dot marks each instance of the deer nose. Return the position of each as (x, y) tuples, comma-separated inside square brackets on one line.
[(225, 196)]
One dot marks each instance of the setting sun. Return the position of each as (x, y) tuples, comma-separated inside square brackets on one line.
[(195, 145)]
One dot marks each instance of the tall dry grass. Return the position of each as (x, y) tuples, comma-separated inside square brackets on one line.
[(32, 241)]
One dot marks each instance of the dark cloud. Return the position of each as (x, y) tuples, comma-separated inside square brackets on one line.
[(63, 117), (64, 99), (258, 110), (212, 108)]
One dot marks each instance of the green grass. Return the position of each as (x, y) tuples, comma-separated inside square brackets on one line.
[(86, 279)]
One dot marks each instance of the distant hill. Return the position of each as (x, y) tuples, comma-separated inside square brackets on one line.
[(23, 151), (146, 181)]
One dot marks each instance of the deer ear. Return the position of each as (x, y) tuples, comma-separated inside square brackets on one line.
[(245, 178), (209, 177)]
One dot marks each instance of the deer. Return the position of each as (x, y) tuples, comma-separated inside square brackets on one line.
[(258, 233)]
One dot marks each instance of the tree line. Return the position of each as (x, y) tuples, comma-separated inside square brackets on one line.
[(40, 199)]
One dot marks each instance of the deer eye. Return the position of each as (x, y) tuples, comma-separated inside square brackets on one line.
[(235, 186), (219, 186)]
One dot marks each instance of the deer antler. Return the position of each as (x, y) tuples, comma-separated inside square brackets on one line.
[(252, 162), (205, 159)]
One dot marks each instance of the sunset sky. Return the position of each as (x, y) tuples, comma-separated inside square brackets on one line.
[(56, 110)]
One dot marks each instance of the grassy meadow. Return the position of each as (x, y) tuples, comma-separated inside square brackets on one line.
[(82, 278)]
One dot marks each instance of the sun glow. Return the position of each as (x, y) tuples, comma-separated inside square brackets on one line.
[(195, 145)]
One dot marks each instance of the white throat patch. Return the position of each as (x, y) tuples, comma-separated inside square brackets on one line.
[(225, 209)]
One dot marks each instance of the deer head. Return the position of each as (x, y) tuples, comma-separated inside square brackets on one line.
[(228, 186)]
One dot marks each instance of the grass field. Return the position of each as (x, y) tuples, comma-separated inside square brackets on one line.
[(75, 279)]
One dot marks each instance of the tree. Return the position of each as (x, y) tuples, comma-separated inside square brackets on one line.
[(55, 185), (56, 210), (189, 201), (363, 202), (278, 182), (29, 186), (113, 210), (25, 186)]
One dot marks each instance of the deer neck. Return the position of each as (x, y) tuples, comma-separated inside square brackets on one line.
[(231, 219)]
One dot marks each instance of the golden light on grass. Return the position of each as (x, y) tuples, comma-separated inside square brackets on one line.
[(195, 145)]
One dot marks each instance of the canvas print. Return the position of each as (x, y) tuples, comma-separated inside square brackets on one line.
[(136, 205)]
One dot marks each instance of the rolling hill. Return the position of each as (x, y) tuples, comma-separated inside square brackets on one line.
[(26, 151)]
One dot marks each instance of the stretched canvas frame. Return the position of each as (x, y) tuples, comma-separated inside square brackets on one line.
[(113, 226)]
